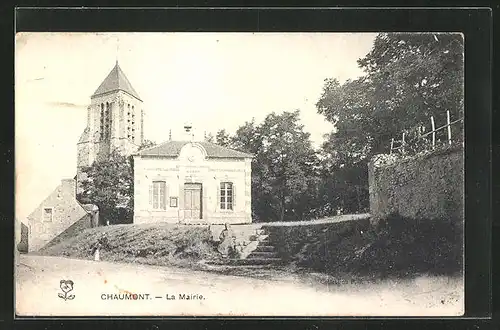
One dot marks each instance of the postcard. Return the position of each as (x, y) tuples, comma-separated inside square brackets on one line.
[(239, 174)]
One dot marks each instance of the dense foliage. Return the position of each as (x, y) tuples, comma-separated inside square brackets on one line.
[(284, 174), (109, 184)]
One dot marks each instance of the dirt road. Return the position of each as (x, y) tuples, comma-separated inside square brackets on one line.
[(98, 286)]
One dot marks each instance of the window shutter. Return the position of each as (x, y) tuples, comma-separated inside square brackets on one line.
[(151, 194), (234, 196), (161, 195)]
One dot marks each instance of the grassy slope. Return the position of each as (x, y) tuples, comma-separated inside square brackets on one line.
[(345, 251), (156, 244), (398, 247)]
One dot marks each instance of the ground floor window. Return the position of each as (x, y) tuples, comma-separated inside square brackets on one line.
[(226, 195), (158, 195)]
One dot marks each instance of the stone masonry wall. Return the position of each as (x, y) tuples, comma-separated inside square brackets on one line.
[(426, 186), (65, 209)]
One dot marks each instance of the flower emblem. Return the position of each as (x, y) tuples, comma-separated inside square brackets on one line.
[(66, 287)]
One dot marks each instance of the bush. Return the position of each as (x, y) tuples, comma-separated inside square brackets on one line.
[(409, 246), (22, 247)]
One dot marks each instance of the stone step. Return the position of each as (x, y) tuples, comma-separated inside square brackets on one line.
[(260, 261), (233, 263), (263, 238), (262, 255), (264, 248)]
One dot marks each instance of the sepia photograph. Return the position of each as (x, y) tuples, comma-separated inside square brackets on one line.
[(239, 174)]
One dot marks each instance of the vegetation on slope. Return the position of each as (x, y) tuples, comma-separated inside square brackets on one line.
[(155, 244), (397, 247), (346, 251)]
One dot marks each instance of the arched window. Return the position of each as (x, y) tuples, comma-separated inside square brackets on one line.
[(102, 122), (108, 106)]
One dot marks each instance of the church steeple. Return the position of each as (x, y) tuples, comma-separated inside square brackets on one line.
[(115, 81), (115, 121)]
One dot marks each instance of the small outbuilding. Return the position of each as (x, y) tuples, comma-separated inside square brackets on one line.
[(59, 216)]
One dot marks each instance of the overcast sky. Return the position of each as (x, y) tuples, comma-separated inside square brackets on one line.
[(214, 80)]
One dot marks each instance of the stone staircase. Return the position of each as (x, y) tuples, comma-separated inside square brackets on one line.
[(255, 248)]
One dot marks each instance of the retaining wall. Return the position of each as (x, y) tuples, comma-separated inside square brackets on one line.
[(425, 186)]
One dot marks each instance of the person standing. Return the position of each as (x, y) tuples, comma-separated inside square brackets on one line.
[(97, 253), (226, 239), (102, 242)]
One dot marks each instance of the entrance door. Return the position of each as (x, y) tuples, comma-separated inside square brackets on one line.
[(192, 201)]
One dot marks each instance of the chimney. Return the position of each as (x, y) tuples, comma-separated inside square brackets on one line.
[(170, 135), (188, 129)]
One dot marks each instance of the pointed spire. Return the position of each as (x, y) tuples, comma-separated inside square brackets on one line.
[(116, 80)]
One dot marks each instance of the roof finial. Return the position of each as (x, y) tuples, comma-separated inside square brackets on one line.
[(117, 48)]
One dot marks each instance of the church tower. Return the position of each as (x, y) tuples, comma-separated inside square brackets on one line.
[(115, 121)]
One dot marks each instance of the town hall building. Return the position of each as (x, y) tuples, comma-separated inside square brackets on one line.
[(192, 182)]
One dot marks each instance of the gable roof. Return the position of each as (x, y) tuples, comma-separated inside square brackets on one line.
[(173, 148), (116, 80), (57, 201)]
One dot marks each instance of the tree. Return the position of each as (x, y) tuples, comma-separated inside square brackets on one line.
[(247, 138), (222, 138), (209, 138), (283, 166), (109, 184), (408, 78)]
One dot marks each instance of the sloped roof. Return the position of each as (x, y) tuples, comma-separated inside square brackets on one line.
[(173, 148), (116, 80), (85, 135)]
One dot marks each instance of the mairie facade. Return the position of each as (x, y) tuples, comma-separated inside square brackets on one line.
[(192, 183)]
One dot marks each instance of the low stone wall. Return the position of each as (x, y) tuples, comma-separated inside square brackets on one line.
[(427, 186)]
